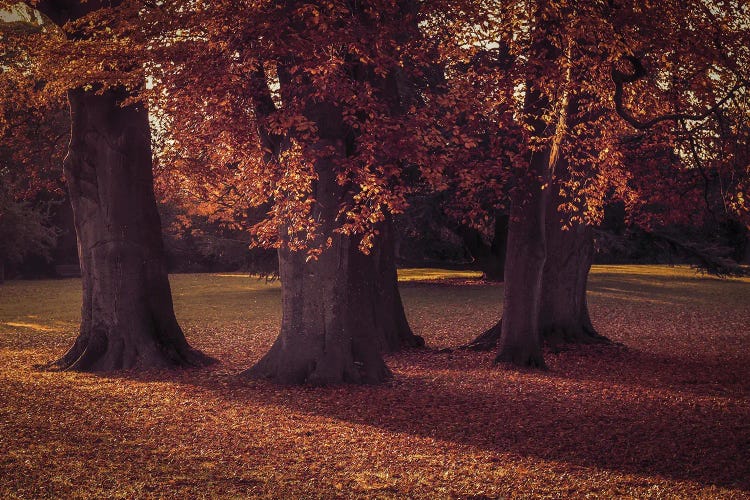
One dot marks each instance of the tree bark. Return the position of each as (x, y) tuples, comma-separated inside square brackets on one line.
[(564, 315), (336, 315), (385, 298), (127, 316), (520, 342)]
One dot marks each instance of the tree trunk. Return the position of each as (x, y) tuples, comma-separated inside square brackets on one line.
[(332, 327), (127, 317), (385, 298), (520, 342), (490, 259), (564, 315), (341, 311)]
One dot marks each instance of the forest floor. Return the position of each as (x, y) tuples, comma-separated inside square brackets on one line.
[(665, 414)]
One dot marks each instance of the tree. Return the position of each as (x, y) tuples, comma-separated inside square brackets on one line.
[(568, 57), (341, 307), (127, 314), (307, 117), (23, 231)]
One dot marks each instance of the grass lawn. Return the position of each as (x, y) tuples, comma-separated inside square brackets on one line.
[(665, 414)]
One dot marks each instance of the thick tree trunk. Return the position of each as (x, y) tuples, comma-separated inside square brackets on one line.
[(127, 319), (328, 333), (520, 342), (564, 315), (337, 316)]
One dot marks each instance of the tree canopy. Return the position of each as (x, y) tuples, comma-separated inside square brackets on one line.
[(327, 117)]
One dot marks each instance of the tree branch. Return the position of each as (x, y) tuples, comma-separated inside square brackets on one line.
[(620, 78)]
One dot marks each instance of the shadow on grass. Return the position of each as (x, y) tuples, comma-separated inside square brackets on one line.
[(673, 289), (659, 372), (590, 420)]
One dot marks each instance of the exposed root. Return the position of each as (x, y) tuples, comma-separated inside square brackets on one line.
[(101, 355), (487, 341), (284, 368), (555, 337)]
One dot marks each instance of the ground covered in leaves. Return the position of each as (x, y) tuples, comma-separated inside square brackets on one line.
[(664, 414)]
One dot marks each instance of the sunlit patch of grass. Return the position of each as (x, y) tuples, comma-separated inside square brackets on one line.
[(664, 416), (32, 326), (659, 272), (426, 274)]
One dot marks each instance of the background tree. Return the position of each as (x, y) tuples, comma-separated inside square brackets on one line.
[(23, 231)]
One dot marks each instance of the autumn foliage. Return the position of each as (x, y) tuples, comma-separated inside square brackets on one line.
[(309, 127), (254, 104)]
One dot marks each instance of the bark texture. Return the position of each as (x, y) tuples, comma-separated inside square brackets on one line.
[(563, 311), (338, 313), (520, 342), (127, 317), (564, 315)]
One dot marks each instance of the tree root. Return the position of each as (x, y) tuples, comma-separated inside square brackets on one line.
[(553, 337)]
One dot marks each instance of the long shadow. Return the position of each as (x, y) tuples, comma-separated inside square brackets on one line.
[(619, 428), (674, 289), (622, 410), (625, 366)]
